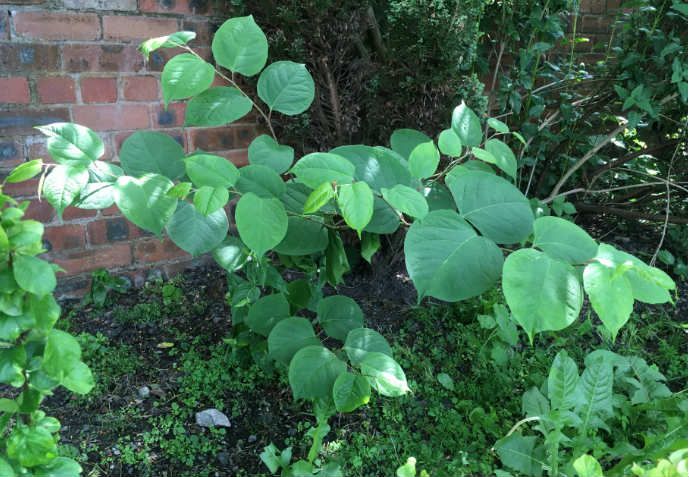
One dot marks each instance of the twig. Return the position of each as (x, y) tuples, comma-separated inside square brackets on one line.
[(627, 214), (667, 210)]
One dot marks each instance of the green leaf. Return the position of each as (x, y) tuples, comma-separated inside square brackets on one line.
[(6, 469), (370, 244), (356, 204), (168, 41), (264, 234), (266, 312), (385, 220), (31, 446), (195, 232), (442, 249), (504, 157), (286, 87), (180, 190), (535, 404), (318, 167), (319, 197), (147, 152), (350, 392), (424, 160), (63, 185), (593, 395), (185, 75), (498, 125), (79, 379), (210, 170), (62, 354), (210, 199), (262, 181), (102, 171), (449, 143), (384, 374), (493, 205), (610, 294), (230, 254), (518, 453), (562, 382), (563, 240), (25, 171), (338, 315), (265, 151), (72, 144), (304, 237), (240, 46), (446, 381), (587, 466), (145, 201), (406, 200), (404, 141), (543, 294), (408, 469), (12, 364), (466, 125), (96, 196), (313, 371), (34, 275), (217, 106), (362, 341), (336, 263), (377, 166)]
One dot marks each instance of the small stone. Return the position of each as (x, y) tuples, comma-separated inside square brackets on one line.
[(223, 458), (252, 438), (212, 418), (144, 392)]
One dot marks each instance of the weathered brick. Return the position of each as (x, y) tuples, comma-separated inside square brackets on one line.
[(21, 189), (40, 210), (14, 90), (150, 250), (23, 122), (56, 90), (64, 237), (244, 134), (140, 88), (204, 29), (194, 7), (44, 25), (114, 229), (158, 58), (592, 6), (101, 58), (136, 28), (238, 157), (113, 5), (111, 256), (28, 57), (112, 117), (73, 287), (99, 90), (595, 23), (172, 117), (11, 153), (216, 139), (75, 213), (4, 25)]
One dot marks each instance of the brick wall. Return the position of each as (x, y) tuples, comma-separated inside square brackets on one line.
[(76, 60)]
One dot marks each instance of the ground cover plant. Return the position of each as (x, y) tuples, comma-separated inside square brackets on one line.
[(465, 225)]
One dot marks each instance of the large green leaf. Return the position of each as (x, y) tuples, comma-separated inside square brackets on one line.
[(384, 374), (587, 466), (266, 312), (543, 293), (504, 157), (338, 315), (63, 185), (406, 200), (58, 467), (210, 199), (467, 125), (286, 87), (262, 181), (240, 46), (563, 240), (261, 223), (25, 171), (356, 204), (593, 395), (378, 167), (72, 144), (195, 232), (361, 341), (144, 201), (147, 152), (438, 197), (304, 237), (185, 75), (446, 259), (168, 41), (493, 205), (562, 381), (33, 274), (424, 160), (403, 141), (209, 170), (231, 254), (217, 106), (319, 167), (449, 143), (318, 198), (519, 453), (384, 220), (313, 371), (265, 151), (288, 336), (350, 391), (31, 445), (610, 294), (62, 353)]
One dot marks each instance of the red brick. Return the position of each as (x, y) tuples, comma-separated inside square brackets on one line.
[(40, 210), (56, 89), (216, 139), (172, 117), (238, 157), (99, 90), (203, 29), (22, 189), (158, 58), (64, 237), (57, 26), (4, 26), (14, 90), (29, 57), (37, 148), (114, 229), (592, 6), (112, 117), (75, 213), (174, 6), (101, 58), (112, 256), (127, 5), (136, 28), (11, 153), (244, 135), (73, 287), (141, 88), (111, 211), (595, 24), (22, 122), (151, 250)]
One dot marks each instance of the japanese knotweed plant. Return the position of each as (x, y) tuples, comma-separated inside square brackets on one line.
[(461, 219), (35, 358)]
